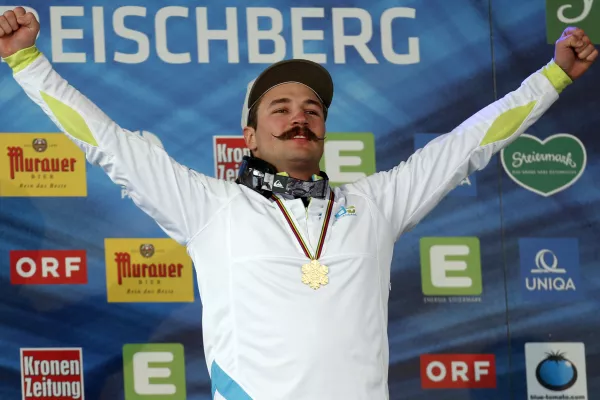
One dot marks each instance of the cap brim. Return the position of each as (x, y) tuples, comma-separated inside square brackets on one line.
[(305, 72)]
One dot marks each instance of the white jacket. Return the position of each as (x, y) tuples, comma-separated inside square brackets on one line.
[(266, 334)]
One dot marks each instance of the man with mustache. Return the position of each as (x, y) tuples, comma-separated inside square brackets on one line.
[(293, 274)]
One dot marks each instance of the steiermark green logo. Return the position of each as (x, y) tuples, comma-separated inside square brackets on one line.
[(348, 157), (545, 166), (450, 266), (584, 14), (154, 371)]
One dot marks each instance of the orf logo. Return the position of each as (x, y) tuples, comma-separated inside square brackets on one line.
[(458, 371), (48, 267)]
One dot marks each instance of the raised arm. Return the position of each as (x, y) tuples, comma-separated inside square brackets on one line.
[(408, 192), (180, 200)]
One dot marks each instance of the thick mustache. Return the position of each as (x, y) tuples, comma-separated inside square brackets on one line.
[(297, 130)]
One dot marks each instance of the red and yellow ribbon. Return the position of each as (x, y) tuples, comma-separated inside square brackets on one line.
[(290, 222)]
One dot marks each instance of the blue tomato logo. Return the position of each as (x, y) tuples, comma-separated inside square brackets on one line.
[(556, 372)]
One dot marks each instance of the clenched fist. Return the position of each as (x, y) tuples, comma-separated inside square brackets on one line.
[(574, 52), (18, 30)]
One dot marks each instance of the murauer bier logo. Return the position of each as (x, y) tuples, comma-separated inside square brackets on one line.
[(41, 165), (148, 270), (545, 167)]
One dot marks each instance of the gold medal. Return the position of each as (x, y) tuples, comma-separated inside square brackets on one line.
[(314, 274)]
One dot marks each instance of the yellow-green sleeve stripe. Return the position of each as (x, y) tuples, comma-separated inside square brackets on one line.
[(71, 121), (556, 76), (22, 58), (507, 123)]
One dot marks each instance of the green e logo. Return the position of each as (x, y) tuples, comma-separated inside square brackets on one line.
[(154, 371), (348, 157), (450, 266)]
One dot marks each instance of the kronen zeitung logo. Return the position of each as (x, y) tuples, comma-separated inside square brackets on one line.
[(545, 167), (52, 373)]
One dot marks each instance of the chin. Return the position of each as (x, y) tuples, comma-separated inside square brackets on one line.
[(303, 157)]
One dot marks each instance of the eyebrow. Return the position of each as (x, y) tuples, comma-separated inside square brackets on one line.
[(284, 100)]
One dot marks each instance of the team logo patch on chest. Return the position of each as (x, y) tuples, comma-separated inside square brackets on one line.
[(346, 212)]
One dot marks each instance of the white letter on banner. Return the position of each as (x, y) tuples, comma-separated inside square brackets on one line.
[(59, 34), (334, 160), (255, 35), (139, 37), (299, 35), (230, 34), (440, 265), (99, 39), (49, 267), (340, 41), (143, 373), (160, 25), (387, 43)]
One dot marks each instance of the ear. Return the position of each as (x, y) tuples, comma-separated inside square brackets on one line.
[(250, 138)]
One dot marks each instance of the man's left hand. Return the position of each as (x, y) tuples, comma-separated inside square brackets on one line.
[(574, 52)]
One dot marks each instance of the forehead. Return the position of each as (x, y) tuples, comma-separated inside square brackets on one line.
[(293, 91)]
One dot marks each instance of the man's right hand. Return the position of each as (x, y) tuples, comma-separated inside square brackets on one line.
[(18, 31)]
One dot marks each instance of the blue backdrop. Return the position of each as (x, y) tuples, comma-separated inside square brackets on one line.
[(470, 52)]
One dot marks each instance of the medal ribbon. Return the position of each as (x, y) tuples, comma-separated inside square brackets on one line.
[(290, 222)]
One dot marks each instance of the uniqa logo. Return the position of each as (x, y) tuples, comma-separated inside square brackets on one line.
[(548, 282), (587, 7)]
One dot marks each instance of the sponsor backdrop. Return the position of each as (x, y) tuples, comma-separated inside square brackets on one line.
[(493, 296)]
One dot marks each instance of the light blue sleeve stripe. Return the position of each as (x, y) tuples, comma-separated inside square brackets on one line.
[(226, 386)]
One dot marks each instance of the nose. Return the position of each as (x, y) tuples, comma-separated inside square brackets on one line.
[(299, 118)]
